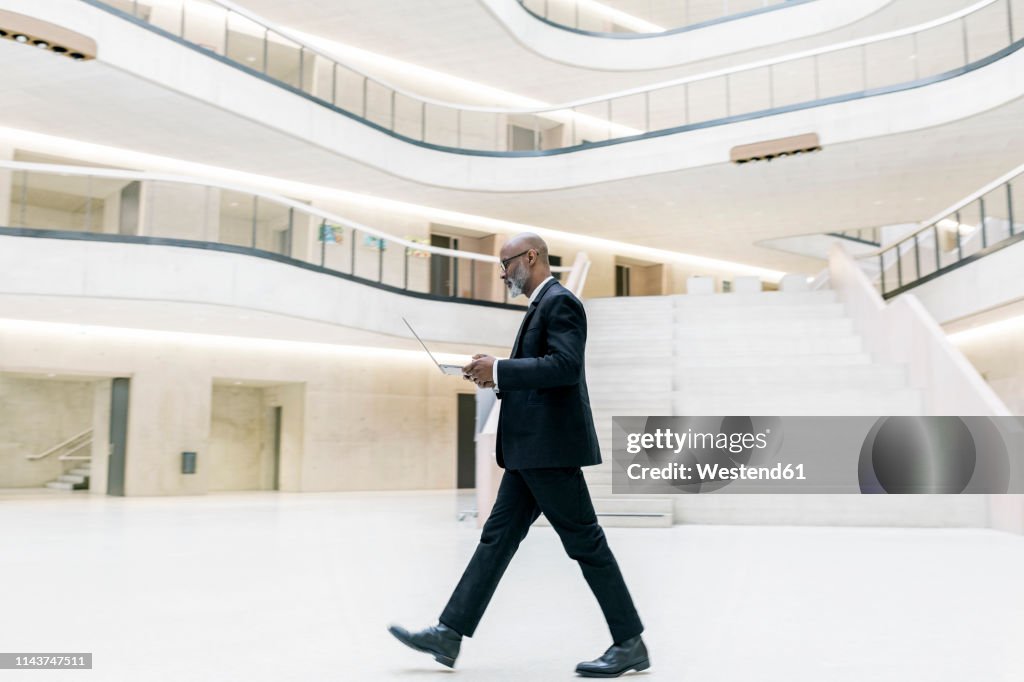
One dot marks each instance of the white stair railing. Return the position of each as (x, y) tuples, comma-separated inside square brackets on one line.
[(902, 331), (75, 443)]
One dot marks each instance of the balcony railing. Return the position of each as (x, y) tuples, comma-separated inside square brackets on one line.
[(623, 19), (939, 49), (985, 222), (131, 206)]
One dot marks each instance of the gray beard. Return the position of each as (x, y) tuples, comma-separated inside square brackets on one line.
[(516, 284)]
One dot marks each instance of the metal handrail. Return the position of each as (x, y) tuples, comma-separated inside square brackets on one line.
[(611, 12), (629, 92), (314, 211), (59, 446), (379, 239), (927, 232), (568, 108), (69, 455), (926, 225)]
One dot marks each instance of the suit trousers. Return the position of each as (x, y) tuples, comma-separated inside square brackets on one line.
[(561, 493)]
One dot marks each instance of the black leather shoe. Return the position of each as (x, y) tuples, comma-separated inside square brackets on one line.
[(439, 640), (620, 658)]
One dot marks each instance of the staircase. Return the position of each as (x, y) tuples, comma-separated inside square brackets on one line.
[(770, 353), (76, 479), (76, 450)]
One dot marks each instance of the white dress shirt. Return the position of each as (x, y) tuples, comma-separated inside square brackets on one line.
[(533, 297)]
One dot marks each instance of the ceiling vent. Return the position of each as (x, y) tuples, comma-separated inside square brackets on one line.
[(45, 36), (773, 149)]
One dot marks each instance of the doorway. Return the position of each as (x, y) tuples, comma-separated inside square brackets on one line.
[(119, 394), (443, 272), (466, 441)]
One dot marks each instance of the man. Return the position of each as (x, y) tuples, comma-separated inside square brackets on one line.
[(545, 434)]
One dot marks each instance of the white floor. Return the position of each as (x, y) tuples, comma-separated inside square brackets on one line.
[(272, 587)]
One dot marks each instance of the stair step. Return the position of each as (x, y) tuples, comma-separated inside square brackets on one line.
[(764, 298), (639, 511), (759, 313), (749, 344), (877, 376), (73, 478), (796, 362), (60, 485), (81, 471), (829, 326)]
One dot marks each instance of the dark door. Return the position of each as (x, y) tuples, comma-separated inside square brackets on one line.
[(276, 416), (466, 441), (442, 268), (118, 436), (622, 280)]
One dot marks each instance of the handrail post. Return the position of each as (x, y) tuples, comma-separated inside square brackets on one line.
[(255, 213), (899, 266), (881, 270), (984, 233), (352, 258), (323, 242), (917, 259), (1009, 18), (455, 276), (959, 245), (266, 49), (1009, 205)]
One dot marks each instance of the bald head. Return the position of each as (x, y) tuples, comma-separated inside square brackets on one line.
[(527, 257), (523, 242)]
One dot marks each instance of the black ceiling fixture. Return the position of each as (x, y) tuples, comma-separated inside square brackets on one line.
[(46, 36)]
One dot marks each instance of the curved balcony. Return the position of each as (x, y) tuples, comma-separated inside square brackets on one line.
[(624, 19), (131, 207), (909, 58)]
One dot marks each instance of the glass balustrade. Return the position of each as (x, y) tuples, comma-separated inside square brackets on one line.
[(940, 48), (182, 212), (646, 17), (985, 224)]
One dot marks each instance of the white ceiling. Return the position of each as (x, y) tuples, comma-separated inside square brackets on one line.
[(718, 211), (462, 38)]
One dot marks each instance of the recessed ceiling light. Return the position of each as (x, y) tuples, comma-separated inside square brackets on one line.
[(21, 38), (59, 49), (42, 44), (77, 56)]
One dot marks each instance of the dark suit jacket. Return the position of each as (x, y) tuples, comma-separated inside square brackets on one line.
[(545, 418)]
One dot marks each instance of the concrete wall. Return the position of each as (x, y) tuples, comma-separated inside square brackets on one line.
[(237, 437), (353, 421), (35, 415)]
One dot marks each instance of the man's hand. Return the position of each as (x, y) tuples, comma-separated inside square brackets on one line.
[(480, 371)]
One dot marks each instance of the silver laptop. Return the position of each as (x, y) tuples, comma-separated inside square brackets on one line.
[(454, 370)]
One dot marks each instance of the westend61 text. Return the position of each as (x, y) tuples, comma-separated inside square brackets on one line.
[(715, 472)]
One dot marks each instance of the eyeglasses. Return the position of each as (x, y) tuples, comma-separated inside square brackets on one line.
[(504, 263)]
